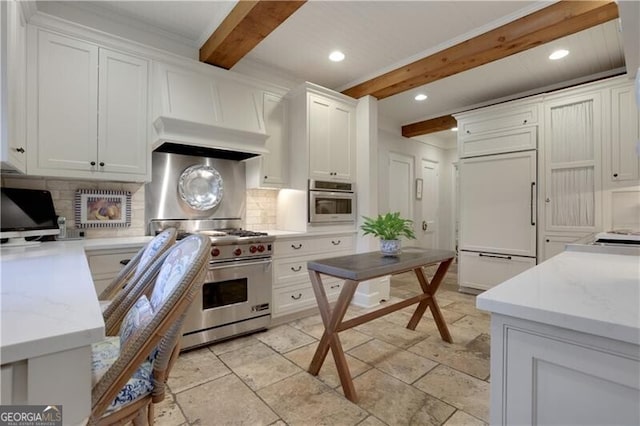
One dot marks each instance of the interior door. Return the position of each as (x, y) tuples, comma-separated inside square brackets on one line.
[(401, 184), (427, 229)]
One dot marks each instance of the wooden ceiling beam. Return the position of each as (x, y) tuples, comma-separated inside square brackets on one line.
[(551, 23), (248, 23), (433, 125)]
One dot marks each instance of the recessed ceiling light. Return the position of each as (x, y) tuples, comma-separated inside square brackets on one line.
[(336, 56), (420, 97), (454, 129), (558, 54)]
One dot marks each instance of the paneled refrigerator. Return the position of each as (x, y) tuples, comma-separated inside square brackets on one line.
[(497, 218)]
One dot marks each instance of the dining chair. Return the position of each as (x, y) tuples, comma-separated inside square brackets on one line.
[(129, 371), (133, 270)]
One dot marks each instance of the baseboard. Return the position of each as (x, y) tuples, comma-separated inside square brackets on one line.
[(370, 293)]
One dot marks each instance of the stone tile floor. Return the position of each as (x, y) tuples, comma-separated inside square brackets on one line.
[(402, 377)]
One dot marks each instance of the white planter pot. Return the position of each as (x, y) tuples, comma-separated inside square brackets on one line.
[(390, 247)]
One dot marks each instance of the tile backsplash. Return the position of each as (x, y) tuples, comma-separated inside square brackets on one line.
[(261, 209), (63, 192), (260, 212)]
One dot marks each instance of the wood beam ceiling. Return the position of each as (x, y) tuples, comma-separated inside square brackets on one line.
[(553, 22), (429, 126), (248, 23)]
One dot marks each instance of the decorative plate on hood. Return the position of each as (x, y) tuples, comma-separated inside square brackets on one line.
[(201, 187)]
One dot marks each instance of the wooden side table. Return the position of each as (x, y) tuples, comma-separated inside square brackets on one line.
[(361, 267)]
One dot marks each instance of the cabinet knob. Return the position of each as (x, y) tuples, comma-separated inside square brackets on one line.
[(93, 163), (296, 247), (266, 177), (336, 243), (468, 132), (298, 269), (615, 175), (524, 122), (102, 164), (547, 200), (20, 150), (547, 240), (296, 298)]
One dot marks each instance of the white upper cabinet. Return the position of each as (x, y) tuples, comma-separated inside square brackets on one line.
[(13, 28), (270, 170), (122, 131), (572, 146), (508, 127), (323, 132), (625, 135), (331, 139), (89, 109)]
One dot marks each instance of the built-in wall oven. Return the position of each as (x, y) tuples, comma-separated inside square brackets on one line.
[(331, 202)]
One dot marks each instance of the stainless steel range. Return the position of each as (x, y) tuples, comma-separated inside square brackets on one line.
[(206, 195)]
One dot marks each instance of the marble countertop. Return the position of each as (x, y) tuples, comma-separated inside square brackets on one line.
[(115, 243), (47, 297), (587, 290), (47, 301)]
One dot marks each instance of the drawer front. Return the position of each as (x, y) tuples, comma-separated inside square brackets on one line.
[(513, 117), (108, 263), (297, 297), (293, 299), (483, 270), (101, 284), (332, 287), (306, 246), (521, 139), (290, 269)]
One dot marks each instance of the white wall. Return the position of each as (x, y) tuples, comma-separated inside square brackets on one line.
[(389, 142)]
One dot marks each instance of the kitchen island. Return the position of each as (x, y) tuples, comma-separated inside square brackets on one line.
[(50, 316), (565, 340)]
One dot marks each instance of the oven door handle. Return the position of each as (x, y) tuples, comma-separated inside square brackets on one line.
[(235, 264)]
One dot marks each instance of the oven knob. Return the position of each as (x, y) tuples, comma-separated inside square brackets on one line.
[(260, 248), (253, 249), (215, 252), (237, 252)]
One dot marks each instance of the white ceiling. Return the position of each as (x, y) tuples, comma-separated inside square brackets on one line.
[(376, 36)]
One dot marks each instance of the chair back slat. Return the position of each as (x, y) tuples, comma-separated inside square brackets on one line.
[(122, 302)]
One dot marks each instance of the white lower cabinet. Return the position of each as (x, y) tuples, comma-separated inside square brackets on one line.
[(292, 291), (485, 270), (548, 375), (555, 244), (106, 264)]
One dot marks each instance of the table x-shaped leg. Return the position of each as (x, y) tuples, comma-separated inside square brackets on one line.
[(431, 302), (332, 319)]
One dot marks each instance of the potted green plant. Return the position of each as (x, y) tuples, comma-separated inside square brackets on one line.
[(389, 228)]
